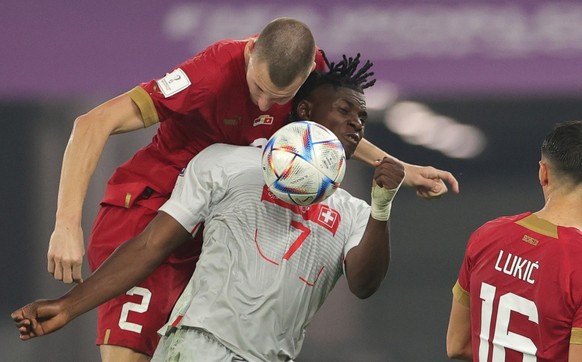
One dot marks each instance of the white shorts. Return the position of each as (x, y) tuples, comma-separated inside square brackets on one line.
[(187, 344)]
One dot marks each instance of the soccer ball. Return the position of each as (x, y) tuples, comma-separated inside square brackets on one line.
[(303, 163)]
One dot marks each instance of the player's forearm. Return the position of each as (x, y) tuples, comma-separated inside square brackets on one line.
[(129, 264), (125, 268), (367, 263), (369, 153)]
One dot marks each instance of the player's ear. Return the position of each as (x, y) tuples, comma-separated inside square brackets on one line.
[(304, 110), (543, 173), (251, 45), (249, 49)]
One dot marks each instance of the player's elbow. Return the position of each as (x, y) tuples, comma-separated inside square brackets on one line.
[(365, 274), (459, 351), (86, 127), (364, 282), (365, 289), (364, 294), (81, 123)]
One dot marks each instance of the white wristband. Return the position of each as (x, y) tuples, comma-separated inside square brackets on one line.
[(382, 202)]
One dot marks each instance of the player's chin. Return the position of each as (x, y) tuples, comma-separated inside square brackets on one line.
[(349, 151)]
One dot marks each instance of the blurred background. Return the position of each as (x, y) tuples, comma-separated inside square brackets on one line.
[(470, 87)]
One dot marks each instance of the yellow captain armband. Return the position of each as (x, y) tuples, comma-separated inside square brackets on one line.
[(146, 106), (576, 336)]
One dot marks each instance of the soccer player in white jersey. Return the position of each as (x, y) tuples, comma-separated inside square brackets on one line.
[(519, 292), (266, 266)]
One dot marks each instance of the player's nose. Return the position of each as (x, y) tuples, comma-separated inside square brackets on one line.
[(264, 103), (356, 123)]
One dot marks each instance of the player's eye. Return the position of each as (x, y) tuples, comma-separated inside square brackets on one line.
[(363, 117)]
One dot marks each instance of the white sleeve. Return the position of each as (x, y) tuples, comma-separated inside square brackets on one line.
[(361, 214), (200, 185)]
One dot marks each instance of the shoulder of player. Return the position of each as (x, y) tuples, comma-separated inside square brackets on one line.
[(229, 46), (230, 158), (219, 151), (222, 52), (501, 221), (217, 63), (342, 199), (223, 161), (319, 60)]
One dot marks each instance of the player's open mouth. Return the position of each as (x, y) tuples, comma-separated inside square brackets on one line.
[(354, 138)]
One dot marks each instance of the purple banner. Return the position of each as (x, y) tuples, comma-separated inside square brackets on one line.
[(65, 48)]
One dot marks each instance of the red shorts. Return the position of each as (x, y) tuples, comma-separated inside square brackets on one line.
[(133, 319)]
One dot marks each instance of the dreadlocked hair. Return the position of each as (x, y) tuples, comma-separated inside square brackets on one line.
[(344, 74)]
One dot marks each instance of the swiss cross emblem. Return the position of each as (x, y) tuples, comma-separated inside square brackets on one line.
[(327, 216), (264, 119)]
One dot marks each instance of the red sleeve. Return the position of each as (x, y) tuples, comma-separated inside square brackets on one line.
[(191, 85), (319, 61), (464, 279)]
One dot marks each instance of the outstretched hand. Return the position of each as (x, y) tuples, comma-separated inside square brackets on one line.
[(429, 182), (39, 318)]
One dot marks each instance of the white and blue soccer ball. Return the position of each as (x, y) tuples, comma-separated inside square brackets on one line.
[(303, 163)]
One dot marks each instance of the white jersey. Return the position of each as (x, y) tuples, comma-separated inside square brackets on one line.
[(266, 267)]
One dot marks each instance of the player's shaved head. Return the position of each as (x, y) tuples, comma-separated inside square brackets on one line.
[(287, 46)]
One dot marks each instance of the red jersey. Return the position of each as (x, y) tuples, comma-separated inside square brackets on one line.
[(205, 100), (523, 276)]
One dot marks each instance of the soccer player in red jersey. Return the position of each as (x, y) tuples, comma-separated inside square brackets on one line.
[(519, 292), (258, 250), (233, 92)]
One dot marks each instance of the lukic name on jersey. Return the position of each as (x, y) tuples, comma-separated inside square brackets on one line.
[(516, 266)]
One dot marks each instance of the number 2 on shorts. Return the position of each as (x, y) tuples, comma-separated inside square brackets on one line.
[(134, 307)]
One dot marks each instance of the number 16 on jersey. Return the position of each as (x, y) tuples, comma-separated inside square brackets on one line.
[(502, 337)]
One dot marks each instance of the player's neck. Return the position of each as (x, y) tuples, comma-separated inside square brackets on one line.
[(563, 210)]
